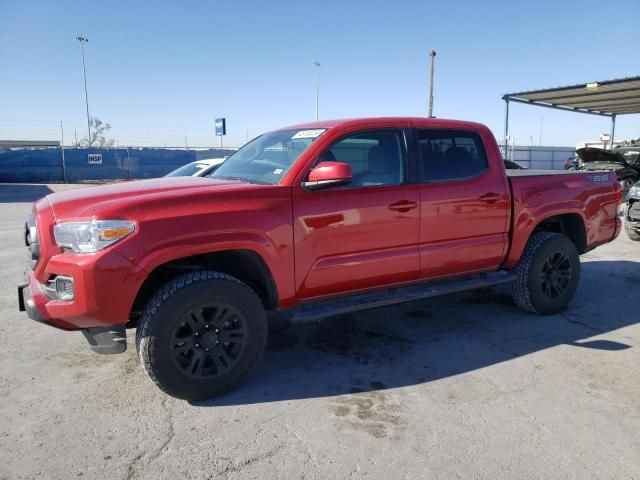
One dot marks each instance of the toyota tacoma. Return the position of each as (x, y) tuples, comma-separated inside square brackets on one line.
[(311, 221)]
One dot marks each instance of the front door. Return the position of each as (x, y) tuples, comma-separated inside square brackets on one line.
[(361, 235)]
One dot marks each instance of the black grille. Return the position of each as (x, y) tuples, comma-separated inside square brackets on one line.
[(31, 241)]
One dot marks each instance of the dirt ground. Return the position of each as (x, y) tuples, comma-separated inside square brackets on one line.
[(464, 386)]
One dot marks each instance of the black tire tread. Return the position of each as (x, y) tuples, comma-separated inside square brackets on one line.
[(159, 298), (520, 288)]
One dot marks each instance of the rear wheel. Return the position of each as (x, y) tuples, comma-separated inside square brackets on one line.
[(547, 274), (632, 233), (201, 334)]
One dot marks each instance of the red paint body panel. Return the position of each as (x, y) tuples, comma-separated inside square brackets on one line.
[(315, 243), (465, 223), (537, 198), (349, 239)]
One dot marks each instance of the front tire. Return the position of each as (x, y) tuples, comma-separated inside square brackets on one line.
[(547, 274), (632, 233), (201, 334)]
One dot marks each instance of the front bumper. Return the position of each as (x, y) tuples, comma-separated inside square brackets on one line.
[(26, 303), (104, 340)]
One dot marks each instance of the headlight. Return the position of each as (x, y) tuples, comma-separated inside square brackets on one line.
[(91, 236), (634, 192)]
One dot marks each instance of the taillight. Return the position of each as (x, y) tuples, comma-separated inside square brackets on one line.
[(617, 190)]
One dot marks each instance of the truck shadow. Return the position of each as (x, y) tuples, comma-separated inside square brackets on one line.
[(429, 340), (22, 193)]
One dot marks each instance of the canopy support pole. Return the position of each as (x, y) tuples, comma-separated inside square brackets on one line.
[(613, 128), (506, 126)]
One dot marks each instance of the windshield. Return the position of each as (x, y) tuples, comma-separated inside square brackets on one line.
[(187, 170), (267, 159)]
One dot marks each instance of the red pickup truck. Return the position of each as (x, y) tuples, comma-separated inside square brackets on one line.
[(315, 220)]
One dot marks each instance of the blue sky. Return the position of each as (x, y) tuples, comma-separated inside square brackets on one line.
[(159, 71)]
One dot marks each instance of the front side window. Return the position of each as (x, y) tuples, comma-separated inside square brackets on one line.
[(376, 157), (450, 155), (267, 158)]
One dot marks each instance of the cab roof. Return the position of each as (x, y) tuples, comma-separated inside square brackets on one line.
[(386, 121)]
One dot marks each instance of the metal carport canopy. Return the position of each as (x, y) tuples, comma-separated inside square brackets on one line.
[(609, 99)]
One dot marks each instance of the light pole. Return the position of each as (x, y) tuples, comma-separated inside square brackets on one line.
[(432, 54), (316, 65), (82, 41)]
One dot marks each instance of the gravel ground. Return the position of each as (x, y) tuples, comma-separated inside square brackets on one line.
[(456, 387)]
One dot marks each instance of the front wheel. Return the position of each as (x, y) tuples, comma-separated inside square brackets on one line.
[(547, 274), (200, 334)]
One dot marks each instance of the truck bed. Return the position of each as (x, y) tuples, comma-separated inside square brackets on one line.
[(534, 191)]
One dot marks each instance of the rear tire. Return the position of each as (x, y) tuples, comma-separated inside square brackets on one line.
[(201, 334), (547, 274), (632, 233)]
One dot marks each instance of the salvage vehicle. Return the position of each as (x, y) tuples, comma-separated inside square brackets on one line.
[(624, 161), (199, 168), (309, 221), (572, 163), (632, 213)]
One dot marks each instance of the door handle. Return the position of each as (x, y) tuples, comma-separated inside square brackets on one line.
[(403, 206), (491, 197)]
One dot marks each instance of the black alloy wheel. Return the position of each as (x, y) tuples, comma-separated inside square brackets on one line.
[(555, 275), (208, 341)]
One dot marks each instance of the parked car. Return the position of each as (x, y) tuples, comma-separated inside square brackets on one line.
[(511, 165), (199, 168), (624, 161), (572, 163), (632, 213), (313, 220)]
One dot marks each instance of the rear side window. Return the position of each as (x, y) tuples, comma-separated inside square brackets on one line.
[(450, 155)]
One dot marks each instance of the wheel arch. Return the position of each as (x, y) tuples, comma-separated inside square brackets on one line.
[(570, 224), (244, 264)]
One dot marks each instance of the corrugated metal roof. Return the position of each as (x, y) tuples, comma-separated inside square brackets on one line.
[(611, 97)]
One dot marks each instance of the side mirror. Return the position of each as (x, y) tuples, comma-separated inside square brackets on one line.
[(328, 174)]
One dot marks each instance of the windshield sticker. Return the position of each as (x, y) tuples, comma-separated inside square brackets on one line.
[(309, 133), (278, 171)]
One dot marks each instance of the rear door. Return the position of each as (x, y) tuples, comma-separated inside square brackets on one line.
[(464, 205), (365, 234)]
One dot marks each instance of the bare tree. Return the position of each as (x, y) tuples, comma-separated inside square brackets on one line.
[(98, 129)]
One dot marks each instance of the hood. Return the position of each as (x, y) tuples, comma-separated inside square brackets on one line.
[(598, 155), (103, 200)]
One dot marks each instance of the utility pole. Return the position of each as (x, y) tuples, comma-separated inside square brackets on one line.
[(316, 65), (82, 41), (432, 54)]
